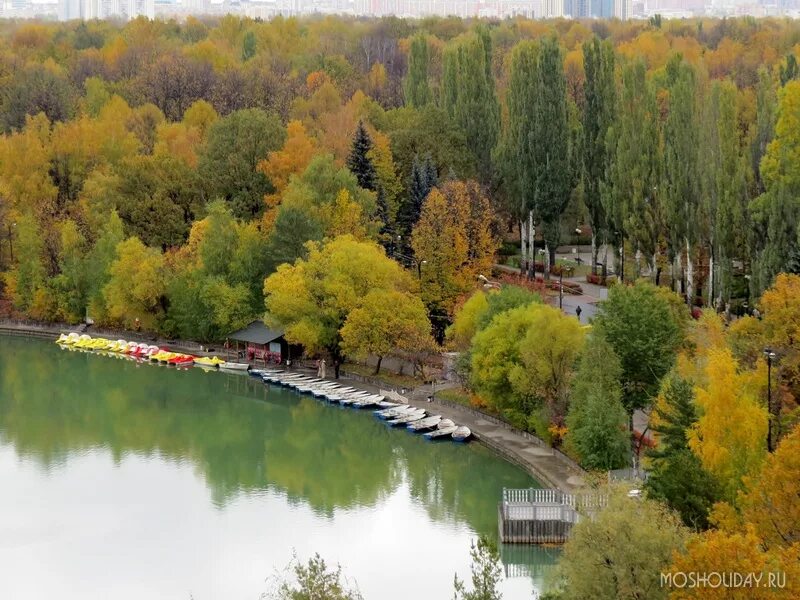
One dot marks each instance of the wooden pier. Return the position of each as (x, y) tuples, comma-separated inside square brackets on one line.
[(543, 516)]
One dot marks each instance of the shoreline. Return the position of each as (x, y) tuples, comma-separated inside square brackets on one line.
[(548, 466)]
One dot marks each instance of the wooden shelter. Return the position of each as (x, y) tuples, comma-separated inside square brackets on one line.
[(261, 345)]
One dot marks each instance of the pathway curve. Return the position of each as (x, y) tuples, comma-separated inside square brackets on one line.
[(548, 467)]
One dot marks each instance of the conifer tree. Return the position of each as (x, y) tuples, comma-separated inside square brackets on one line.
[(423, 180), (358, 162), (677, 476)]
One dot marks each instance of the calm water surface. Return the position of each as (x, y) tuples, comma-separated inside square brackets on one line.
[(129, 481)]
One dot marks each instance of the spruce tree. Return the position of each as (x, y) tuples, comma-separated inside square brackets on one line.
[(358, 162), (677, 477), (423, 180), (382, 214)]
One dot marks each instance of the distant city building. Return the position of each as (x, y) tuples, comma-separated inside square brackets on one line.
[(105, 9)]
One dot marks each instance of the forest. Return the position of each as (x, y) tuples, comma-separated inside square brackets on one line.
[(348, 180), (160, 170)]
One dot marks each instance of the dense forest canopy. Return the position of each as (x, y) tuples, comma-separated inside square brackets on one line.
[(161, 170)]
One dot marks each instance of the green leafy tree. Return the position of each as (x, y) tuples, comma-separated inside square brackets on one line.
[(416, 86), (598, 115), (553, 172), (507, 298), (468, 95), (236, 144), (100, 258), (315, 581), (486, 573), (621, 552), (639, 324), (30, 272), (630, 201), (249, 46), (682, 202), (359, 162), (596, 422)]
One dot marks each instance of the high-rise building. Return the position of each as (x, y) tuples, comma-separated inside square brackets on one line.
[(552, 9), (104, 9), (623, 9)]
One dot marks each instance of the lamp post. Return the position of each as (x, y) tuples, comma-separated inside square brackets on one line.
[(487, 284), (419, 267), (11, 240), (770, 356)]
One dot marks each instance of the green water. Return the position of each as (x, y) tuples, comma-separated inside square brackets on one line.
[(127, 480)]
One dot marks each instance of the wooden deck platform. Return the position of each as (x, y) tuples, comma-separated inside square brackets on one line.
[(542, 516)]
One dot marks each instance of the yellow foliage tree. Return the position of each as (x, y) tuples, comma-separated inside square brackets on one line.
[(771, 501), (714, 553), (137, 284), (729, 438), (292, 159), (346, 217)]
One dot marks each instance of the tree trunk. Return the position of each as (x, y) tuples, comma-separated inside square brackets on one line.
[(656, 269), (546, 262), (523, 251), (377, 366), (336, 365), (689, 275), (710, 299), (531, 247), (621, 269), (595, 252)]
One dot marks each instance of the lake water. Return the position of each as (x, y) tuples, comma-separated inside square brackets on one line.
[(129, 481)]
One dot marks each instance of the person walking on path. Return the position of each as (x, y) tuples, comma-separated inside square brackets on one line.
[(578, 312)]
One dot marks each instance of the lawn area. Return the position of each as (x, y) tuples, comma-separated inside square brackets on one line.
[(457, 395), (391, 379)]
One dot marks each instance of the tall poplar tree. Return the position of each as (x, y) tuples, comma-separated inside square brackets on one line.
[(631, 201), (416, 87), (553, 174), (468, 95), (515, 153), (598, 114), (680, 166)]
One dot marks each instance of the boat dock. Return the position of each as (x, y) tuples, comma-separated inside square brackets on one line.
[(543, 516)]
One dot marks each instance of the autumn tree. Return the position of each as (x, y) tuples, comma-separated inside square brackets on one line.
[(384, 323), (769, 500), (313, 298), (136, 286), (452, 242), (729, 436)]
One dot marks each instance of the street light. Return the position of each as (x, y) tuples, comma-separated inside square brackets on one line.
[(419, 267), (770, 356), (488, 284)]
